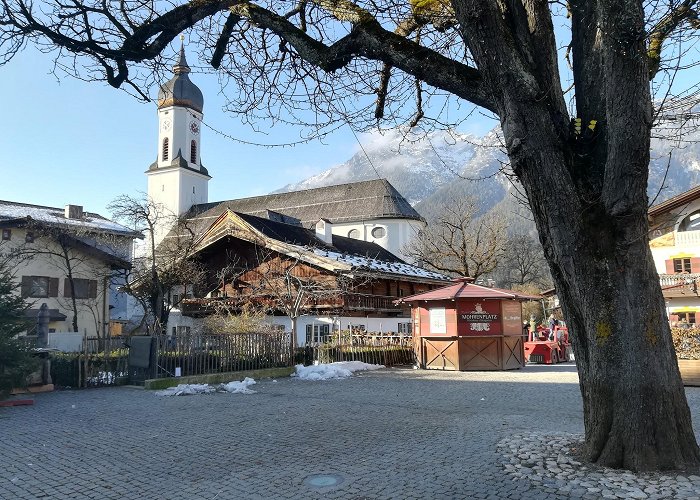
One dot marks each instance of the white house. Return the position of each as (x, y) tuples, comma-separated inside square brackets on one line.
[(69, 259)]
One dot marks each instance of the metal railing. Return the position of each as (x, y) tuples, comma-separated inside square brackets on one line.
[(200, 354)]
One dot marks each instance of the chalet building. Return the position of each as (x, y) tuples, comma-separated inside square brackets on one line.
[(347, 239), (324, 281), (675, 245), (69, 259)]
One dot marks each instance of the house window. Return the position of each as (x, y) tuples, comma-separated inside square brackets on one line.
[(39, 286), (317, 333), (84, 288), (176, 299), (378, 232), (29, 237), (681, 265), (686, 317), (166, 148), (193, 152), (354, 233), (405, 328), (6, 234)]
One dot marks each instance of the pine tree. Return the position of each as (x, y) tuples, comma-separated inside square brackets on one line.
[(15, 360)]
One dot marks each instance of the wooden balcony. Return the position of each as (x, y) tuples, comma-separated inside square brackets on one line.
[(680, 285), (348, 302), (362, 302)]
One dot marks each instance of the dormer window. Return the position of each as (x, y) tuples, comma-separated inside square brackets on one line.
[(193, 152), (166, 147)]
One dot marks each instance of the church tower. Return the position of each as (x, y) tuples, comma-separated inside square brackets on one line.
[(177, 180)]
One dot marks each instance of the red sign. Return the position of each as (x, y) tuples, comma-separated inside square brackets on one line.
[(479, 317), (512, 317)]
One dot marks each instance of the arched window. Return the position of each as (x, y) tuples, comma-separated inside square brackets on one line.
[(165, 149), (691, 223), (193, 152)]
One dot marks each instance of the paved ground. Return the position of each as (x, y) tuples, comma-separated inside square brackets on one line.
[(388, 434)]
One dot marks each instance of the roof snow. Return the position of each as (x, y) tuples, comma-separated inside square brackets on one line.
[(360, 262), (55, 216)]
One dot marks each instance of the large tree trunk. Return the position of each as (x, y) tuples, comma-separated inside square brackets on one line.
[(588, 196), (635, 411)]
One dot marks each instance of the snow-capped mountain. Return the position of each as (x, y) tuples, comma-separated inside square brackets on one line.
[(430, 169)]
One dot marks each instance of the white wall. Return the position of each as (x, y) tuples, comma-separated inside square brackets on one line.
[(92, 313), (399, 232), (384, 325)]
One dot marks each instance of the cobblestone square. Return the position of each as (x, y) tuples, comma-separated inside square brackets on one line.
[(393, 433)]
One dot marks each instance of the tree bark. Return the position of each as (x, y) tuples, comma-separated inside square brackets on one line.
[(635, 411)]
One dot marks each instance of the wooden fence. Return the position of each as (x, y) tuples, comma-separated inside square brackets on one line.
[(372, 348)]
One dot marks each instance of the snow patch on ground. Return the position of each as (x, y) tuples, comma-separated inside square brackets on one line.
[(341, 369), (239, 387), (233, 387)]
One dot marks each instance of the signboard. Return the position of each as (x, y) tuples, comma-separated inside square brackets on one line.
[(438, 324), (479, 318), (512, 317)]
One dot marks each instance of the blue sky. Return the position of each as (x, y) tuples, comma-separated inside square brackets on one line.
[(86, 143)]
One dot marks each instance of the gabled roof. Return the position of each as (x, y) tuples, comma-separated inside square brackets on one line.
[(677, 201), (356, 201), (464, 290), (303, 244), (13, 214)]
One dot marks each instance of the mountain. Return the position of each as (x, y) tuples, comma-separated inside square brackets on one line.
[(429, 170)]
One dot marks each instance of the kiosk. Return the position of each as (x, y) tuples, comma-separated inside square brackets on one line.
[(468, 327)]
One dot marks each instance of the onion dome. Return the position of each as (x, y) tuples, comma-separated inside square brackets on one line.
[(179, 90)]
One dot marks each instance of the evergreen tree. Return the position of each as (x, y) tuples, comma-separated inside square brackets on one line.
[(15, 360)]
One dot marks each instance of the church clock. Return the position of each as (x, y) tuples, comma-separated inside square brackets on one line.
[(194, 127)]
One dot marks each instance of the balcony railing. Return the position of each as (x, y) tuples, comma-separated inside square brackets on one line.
[(687, 238), (370, 302), (678, 279)]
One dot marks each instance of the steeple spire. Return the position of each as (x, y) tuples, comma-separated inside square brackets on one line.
[(181, 64)]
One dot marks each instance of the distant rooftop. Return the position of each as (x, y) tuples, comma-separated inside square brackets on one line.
[(17, 213), (355, 201)]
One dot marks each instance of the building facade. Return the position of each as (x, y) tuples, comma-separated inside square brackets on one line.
[(675, 246), (71, 260)]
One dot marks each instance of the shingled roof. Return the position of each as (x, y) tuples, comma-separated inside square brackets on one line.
[(356, 201), (297, 235)]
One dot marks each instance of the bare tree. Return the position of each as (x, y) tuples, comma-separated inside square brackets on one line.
[(523, 263), (348, 61), (459, 241), (88, 260), (160, 272), (288, 284)]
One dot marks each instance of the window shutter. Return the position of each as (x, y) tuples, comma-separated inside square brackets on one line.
[(695, 265), (26, 286), (92, 289), (53, 287), (669, 267), (67, 291)]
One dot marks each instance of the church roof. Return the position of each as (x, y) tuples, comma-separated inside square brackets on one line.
[(357, 201), (297, 235), (179, 90)]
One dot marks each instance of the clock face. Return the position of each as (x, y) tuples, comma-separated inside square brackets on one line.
[(166, 124), (194, 127)]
